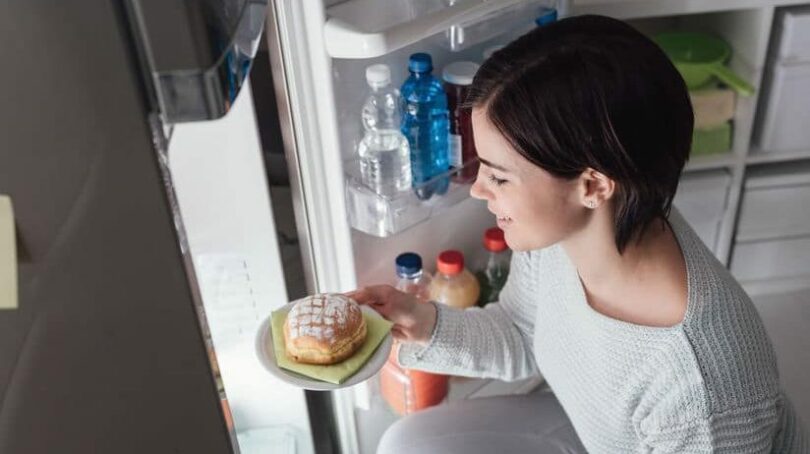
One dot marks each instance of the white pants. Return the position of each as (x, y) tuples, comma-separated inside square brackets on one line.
[(534, 423)]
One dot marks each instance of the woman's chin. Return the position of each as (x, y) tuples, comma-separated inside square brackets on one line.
[(520, 243)]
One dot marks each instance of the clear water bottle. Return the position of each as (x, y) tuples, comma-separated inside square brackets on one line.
[(426, 124), (385, 162), (412, 279)]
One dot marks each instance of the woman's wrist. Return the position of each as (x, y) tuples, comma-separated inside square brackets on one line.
[(428, 316)]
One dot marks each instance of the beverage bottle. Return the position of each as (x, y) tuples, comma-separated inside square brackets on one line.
[(406, 390), (458, 76), (412, 278), (545, 16), (494, 268), (453, 284), (385, 163), (425, 123)]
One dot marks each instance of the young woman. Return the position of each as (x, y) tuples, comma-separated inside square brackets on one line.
[(649, 345)]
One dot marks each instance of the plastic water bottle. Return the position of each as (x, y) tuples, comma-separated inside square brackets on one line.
[(411, 277), (426, 124), (385, 163)]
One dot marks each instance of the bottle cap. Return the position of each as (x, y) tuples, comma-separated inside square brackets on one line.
[(491, 50), (408, 263), (420, 63), (450, 262), (378, 75), (493, 240), (460, 72), (546, 16)]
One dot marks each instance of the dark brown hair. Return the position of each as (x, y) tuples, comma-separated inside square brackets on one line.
[(591, 91)]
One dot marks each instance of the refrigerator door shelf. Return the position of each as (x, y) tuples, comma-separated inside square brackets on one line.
[(369, 28), (197, 54), (383, 216)]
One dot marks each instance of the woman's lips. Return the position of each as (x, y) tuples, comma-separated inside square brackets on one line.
[(503, 221)]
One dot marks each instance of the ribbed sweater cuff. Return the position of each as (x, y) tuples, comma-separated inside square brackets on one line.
[(448, 323)]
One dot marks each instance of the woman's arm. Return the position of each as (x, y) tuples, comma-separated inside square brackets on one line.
[(745, 429), (490, 342)]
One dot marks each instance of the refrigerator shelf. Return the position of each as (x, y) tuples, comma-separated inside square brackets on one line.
[(367, 28), (384, 216)]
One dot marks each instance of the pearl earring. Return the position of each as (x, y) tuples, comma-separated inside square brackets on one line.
[(591, 204)]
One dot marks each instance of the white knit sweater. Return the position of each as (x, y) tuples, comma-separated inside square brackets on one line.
[(708, 384)]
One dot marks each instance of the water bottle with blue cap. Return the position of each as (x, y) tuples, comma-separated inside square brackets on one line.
[(425, 122)]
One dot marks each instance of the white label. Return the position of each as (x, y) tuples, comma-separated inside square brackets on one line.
[(454, 142)]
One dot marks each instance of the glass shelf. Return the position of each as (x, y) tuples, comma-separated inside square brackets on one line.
[(383, 216)]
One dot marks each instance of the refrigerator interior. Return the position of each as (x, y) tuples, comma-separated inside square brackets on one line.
[(458, 226)]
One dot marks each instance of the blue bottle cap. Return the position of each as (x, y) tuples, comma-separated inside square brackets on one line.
[(408, 263), (420, 63), (546, 16)]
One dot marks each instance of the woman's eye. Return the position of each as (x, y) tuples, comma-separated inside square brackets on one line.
[(496, 181)]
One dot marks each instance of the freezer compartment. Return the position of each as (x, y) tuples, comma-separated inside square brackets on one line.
[(382, 216), (369, 28)]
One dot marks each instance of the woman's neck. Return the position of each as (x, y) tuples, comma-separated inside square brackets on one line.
[(651, 267)]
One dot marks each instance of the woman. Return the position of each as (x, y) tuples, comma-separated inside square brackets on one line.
[(583, 128)]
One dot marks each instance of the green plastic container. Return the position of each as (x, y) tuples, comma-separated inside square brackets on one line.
[(700, 58), (712, 140)]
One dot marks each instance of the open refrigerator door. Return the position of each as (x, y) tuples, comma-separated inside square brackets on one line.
[(353, 234)]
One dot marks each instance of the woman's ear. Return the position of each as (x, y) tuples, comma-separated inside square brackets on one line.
[(596, 188)]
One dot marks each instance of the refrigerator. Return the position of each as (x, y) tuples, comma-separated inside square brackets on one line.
[(177, 170)]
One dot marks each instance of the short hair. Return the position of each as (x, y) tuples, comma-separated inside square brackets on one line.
[(591, 91)]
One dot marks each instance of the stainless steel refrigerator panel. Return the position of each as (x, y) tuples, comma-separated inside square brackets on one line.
[(105, 352)]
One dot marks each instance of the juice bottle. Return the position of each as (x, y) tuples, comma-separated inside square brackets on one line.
[(407, 390), (458, 76), (494, 268), (453, 284)]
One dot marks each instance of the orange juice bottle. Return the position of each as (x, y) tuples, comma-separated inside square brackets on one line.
[(408, 390), (453, 284)]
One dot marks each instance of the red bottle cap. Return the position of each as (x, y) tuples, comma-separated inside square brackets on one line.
[(450, 262), (493, 240)]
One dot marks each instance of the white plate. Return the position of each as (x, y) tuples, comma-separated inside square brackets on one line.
[(267, 356)]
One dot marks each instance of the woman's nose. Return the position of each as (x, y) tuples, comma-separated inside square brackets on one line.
[(478, 191)]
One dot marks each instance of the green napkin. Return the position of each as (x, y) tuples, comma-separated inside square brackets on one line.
[(377, 328)]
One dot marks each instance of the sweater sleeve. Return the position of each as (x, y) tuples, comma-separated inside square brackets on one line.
[(744, 429), (490, 342)]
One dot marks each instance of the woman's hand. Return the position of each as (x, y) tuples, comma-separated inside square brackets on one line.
[(413, 321)]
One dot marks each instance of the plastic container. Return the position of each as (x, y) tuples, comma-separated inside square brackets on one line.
[(384, 216), (406, 390), (425, 123), (458, 76), (494, 267), (384, 153), (453, 284)]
